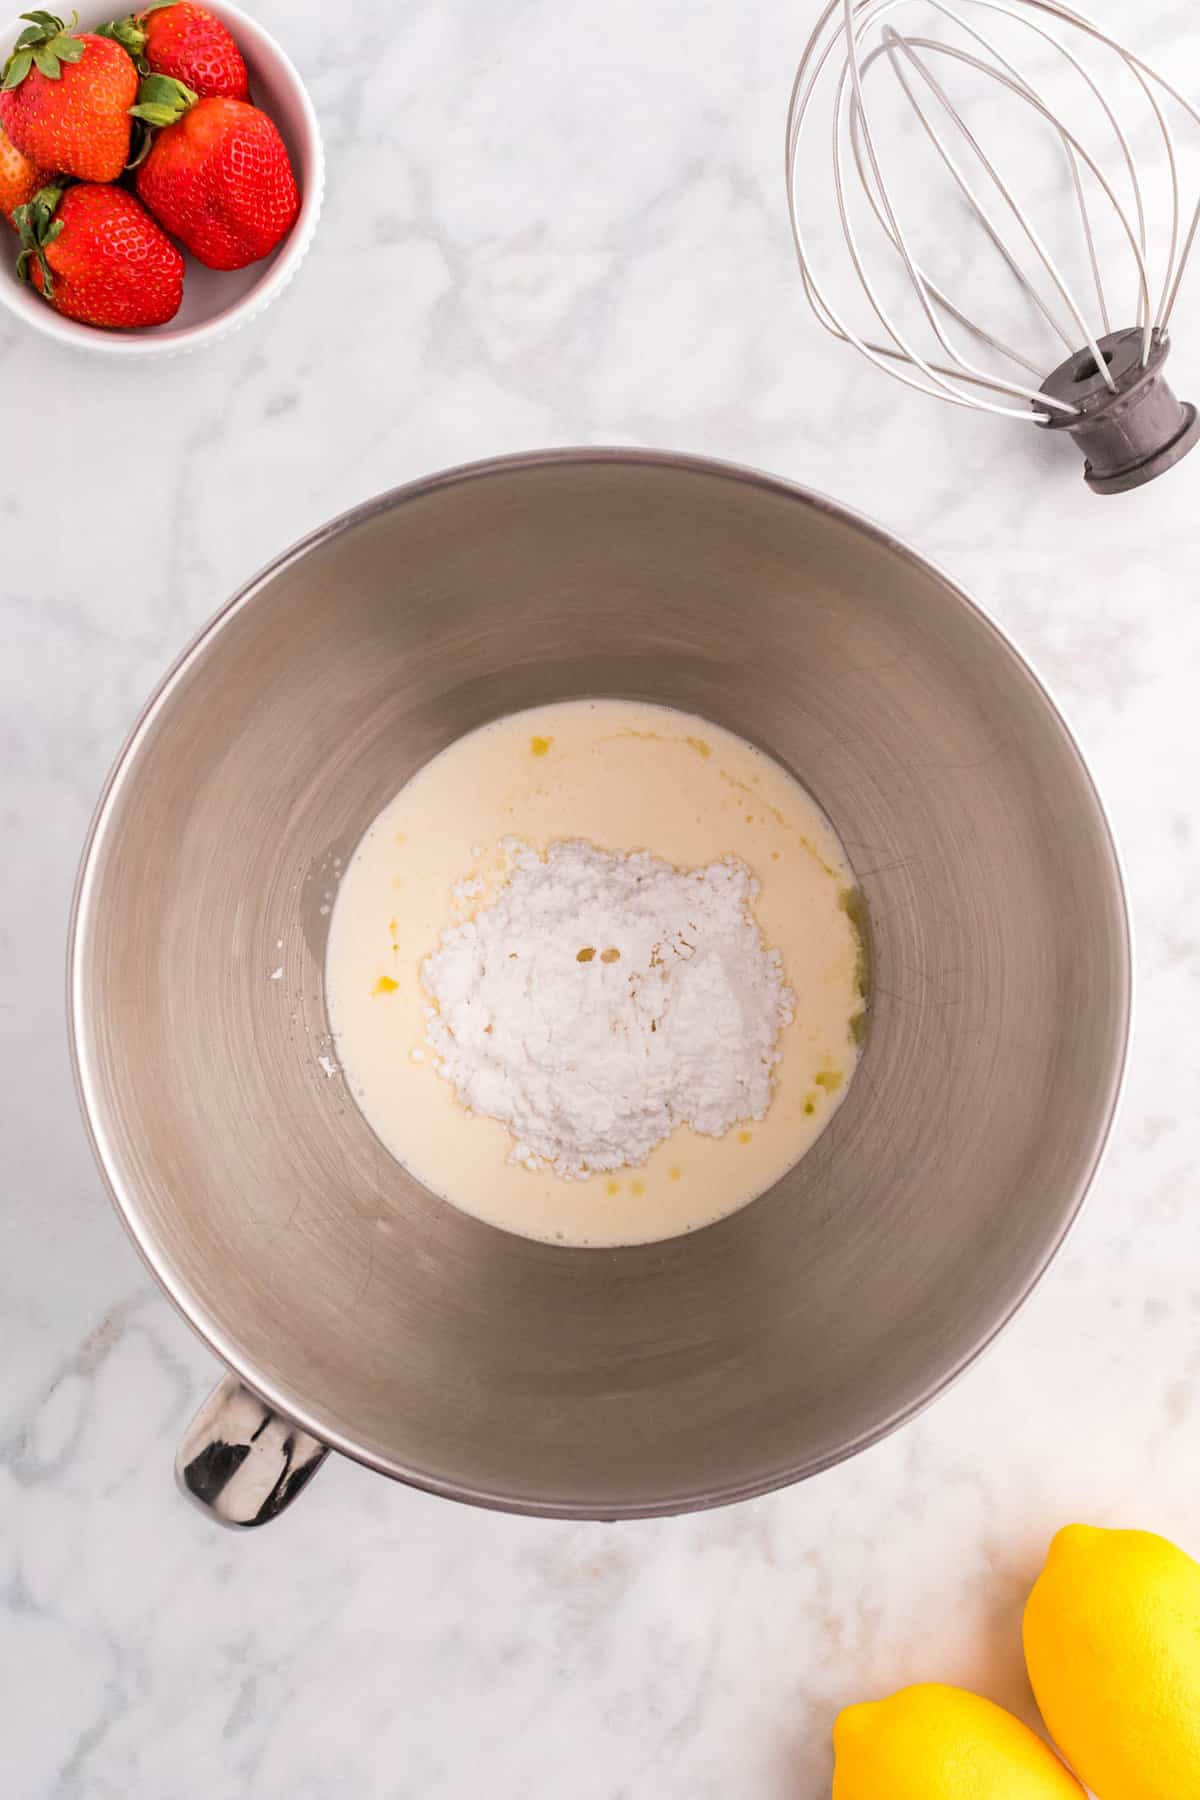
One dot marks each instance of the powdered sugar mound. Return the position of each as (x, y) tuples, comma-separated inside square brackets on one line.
[(603, 999)]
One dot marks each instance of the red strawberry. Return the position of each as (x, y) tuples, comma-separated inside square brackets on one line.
[(65, 100), (98, 256), (219, 178), (19, 178), (176, 38)]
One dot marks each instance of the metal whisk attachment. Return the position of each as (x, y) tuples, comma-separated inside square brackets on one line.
[(1095, 213)]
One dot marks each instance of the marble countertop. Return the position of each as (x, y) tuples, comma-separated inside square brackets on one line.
[(549, 224)]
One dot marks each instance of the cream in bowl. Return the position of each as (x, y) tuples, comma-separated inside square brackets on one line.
[(593, 974)]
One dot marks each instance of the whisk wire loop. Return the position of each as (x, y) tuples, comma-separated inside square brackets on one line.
[(854, 38)]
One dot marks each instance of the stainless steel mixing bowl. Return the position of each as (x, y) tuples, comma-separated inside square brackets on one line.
[(360, 1312)]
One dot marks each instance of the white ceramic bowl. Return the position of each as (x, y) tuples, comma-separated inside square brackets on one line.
[(214, 303)]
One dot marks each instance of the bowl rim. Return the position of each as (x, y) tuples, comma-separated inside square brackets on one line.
[(276, 1391), (168, 340)]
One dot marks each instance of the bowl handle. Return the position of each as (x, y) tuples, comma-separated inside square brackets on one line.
[(241, 1461)]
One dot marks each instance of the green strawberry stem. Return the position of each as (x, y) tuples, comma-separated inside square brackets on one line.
[(38, 228), (162, 101), (132, 39), (131, 33), (45, 44), (141, 142)]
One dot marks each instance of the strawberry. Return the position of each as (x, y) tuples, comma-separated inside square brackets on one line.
[(98, 256), (19, 178), (65, 100), (173, 37), (218, 177)]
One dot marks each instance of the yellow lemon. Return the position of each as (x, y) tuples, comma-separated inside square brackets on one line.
[(1112, 1643), (941, 1743)]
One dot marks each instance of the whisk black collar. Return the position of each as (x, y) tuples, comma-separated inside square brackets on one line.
[(1129, 432)]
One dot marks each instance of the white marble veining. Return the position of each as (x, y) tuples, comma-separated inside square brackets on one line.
[(549, 223)]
